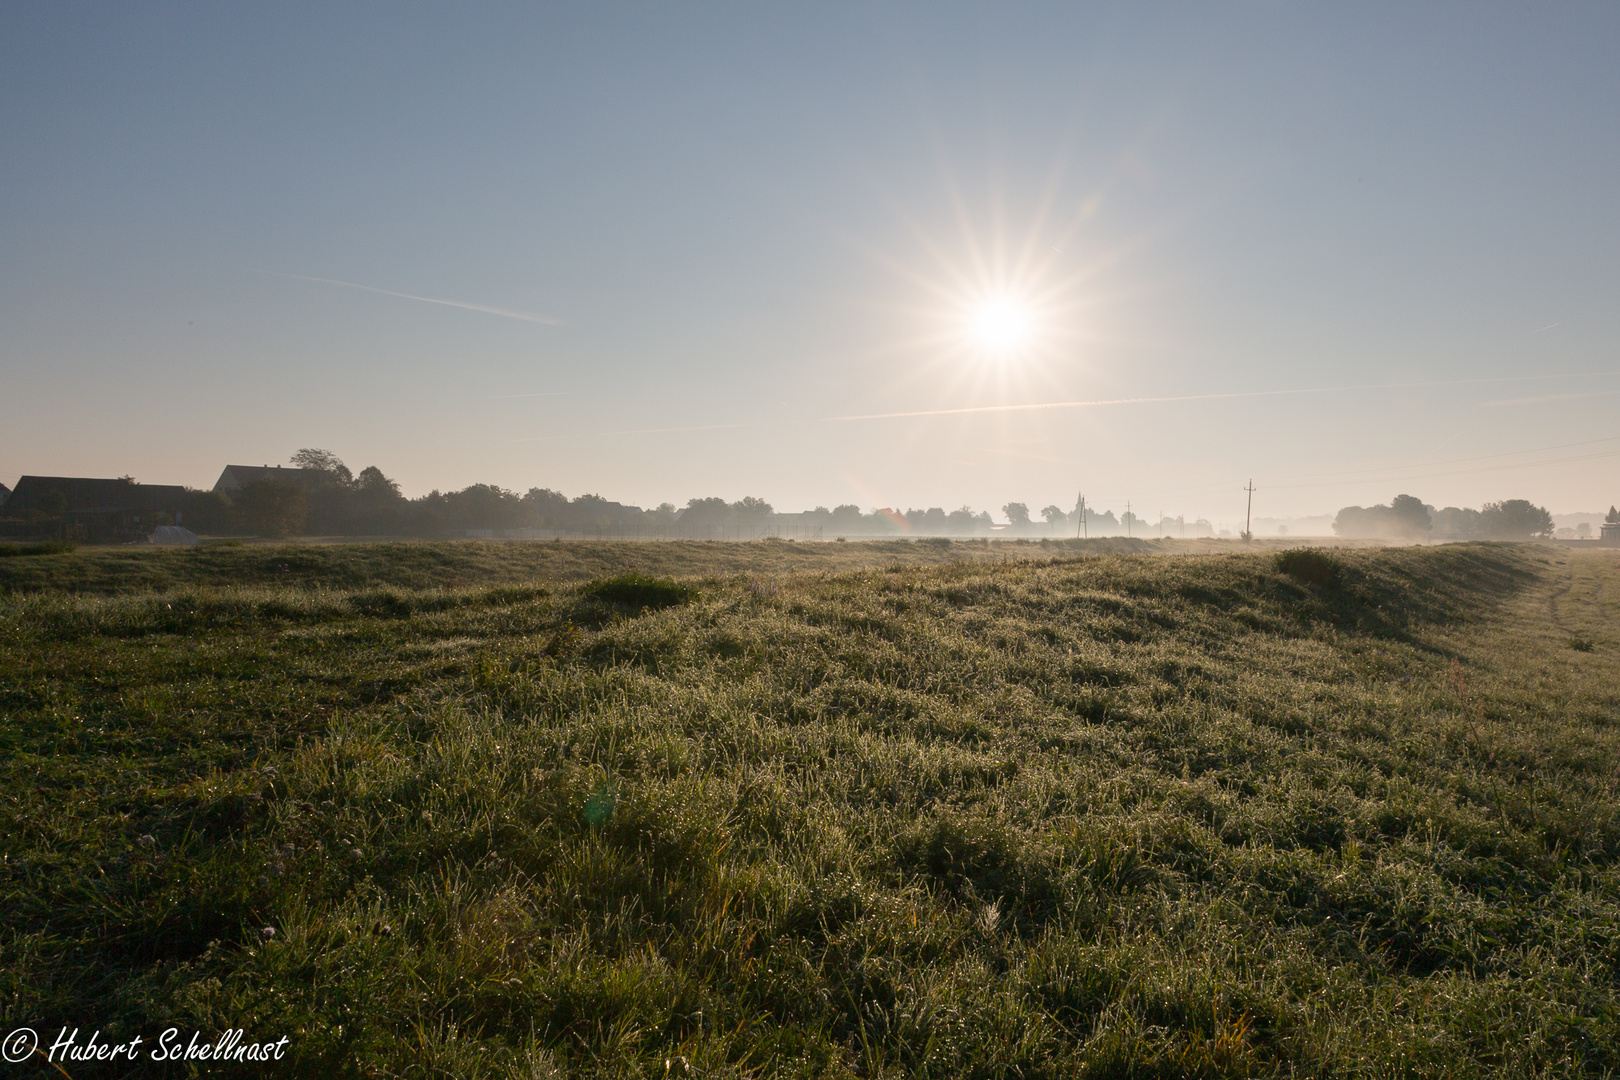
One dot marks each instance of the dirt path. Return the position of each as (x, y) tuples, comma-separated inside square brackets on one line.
[(1583, 604)]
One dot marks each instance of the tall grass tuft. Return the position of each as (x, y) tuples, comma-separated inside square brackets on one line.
[(1309, 566), (638, 590)]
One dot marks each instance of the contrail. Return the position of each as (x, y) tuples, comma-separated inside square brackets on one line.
[(487, 310), (1201, 397)]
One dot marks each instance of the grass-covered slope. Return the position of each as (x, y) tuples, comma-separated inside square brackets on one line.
[(1211, 816), (464, 563)]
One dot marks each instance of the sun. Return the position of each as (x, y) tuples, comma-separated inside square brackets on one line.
[(1001, 326)]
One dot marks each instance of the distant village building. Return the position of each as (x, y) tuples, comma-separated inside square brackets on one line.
[(94, 510), (237, 477), (5, 493), (1609, 531), (807, 525)]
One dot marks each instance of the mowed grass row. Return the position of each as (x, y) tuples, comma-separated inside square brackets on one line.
[(1104, 816)]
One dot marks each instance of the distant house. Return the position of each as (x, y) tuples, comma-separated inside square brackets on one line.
[(237, 477), (94, 510), (5, 493)]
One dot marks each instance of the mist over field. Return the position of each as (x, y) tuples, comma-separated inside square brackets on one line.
[(320, 496)]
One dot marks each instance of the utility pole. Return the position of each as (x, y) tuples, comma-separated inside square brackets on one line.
[(1248, 533), (1127, 519), (1080, 527)]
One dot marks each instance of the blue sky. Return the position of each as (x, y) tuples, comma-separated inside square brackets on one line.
[(1348, 252)]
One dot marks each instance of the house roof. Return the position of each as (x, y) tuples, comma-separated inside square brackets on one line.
[(237, 477), (86, 495)]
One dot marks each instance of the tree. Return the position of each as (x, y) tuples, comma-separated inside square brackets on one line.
[(375, 504), (1516, 519), (1458, 523), (1103, 524), (1613, 516), (661, 519), (323, 461), (591, 513), (273, 508), (207, 511), (1409, 518), (886, 519), (373, 482), (550, 507), (704, 517), (753, 516), (482, 506), (846, 519), (329, 509), (1017, 515), (1405, 518), (1054, 516), (930, 522)]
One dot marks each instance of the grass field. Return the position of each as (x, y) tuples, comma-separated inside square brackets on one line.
[(111, 570), (930, 810)]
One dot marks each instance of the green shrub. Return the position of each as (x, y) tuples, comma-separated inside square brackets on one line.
[(1311, 567), (48, 547), (637, 590)]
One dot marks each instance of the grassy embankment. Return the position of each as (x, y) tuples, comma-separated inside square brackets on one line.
[(1103, 816), (475, 563)]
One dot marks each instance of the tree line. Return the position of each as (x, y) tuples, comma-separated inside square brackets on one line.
[(327, 499), (1407, 517), (330, 500)]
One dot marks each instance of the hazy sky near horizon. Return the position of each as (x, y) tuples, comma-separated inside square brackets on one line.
[(661, 252)]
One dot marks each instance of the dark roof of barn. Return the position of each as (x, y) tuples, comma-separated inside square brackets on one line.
[(80, 494), (237, 477)]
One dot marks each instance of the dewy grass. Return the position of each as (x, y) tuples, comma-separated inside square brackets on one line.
[(1051, 817), (113, 571), (640, 591)]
